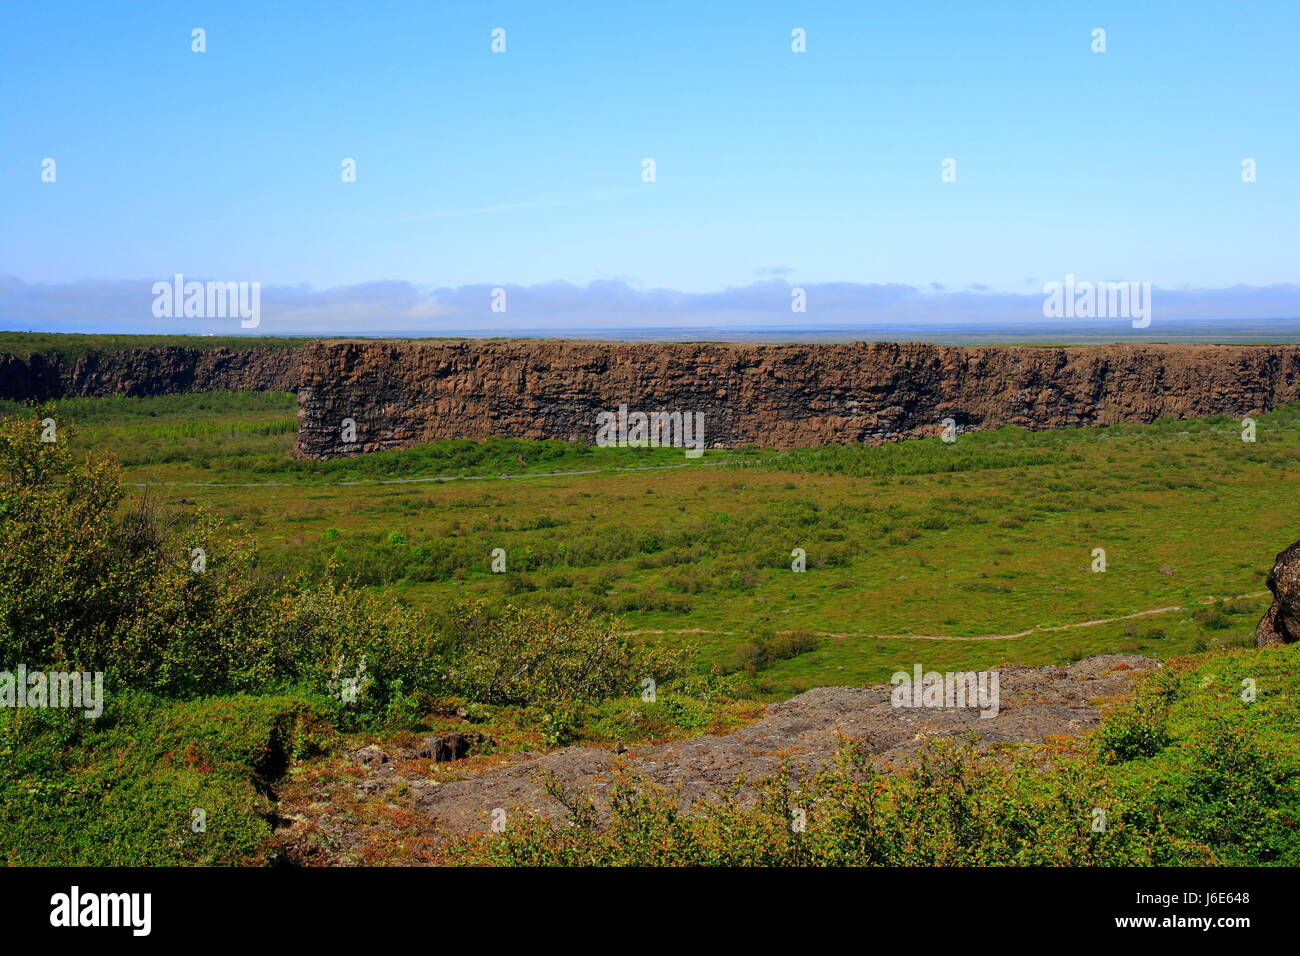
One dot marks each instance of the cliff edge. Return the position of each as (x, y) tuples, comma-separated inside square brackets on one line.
[(781, 396)]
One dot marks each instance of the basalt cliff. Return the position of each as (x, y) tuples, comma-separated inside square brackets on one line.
[(779, 396), (147, 371)]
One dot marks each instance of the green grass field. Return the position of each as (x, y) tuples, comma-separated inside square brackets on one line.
[(916, 552), (75, 345), (974, 555)]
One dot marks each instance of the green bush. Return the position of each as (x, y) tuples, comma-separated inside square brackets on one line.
[(952, 809), (90, 581), (1222, 800), (767, 647), (1235, 799), (528, 656), (1140, 731), (561, 723), (123, 789), (1212, 618)]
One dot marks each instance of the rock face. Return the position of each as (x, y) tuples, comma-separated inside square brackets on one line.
[(1281, 622), (781, 396), (148, 371)]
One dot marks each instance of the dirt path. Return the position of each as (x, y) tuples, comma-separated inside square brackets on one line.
[(1037, 629)]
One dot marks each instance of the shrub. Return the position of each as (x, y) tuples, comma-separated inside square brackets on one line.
[(1238, 606), (1218, 797), (123, 789), (1234, 800), (534, 655), (767, 647), (1212, 618), (561, 724), (950, 809), (1140, 731), (89, 581)]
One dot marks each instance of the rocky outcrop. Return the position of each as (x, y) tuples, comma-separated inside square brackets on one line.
[(148, 371), (1281, 622), (803, 733), (781, 396)]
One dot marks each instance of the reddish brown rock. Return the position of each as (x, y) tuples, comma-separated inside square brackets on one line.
[(148, 371), (781, 396), (1281, 622)]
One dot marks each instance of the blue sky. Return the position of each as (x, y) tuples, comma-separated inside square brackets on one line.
[(523, 169)]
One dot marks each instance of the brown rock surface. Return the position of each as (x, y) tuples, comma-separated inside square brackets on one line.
[(780, 396), (148, 371), (807, 729), (1281, 622)]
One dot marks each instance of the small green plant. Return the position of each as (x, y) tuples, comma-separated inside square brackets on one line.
[(561, 724), (1212, 617), (684, 712), (1141, 731)]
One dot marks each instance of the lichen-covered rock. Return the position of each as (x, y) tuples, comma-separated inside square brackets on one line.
[(805, 731), (369, 755), (1281, 622)]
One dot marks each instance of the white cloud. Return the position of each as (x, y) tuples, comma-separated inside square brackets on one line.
[(390, 307)]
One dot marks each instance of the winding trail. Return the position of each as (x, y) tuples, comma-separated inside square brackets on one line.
[(1037, 629)]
